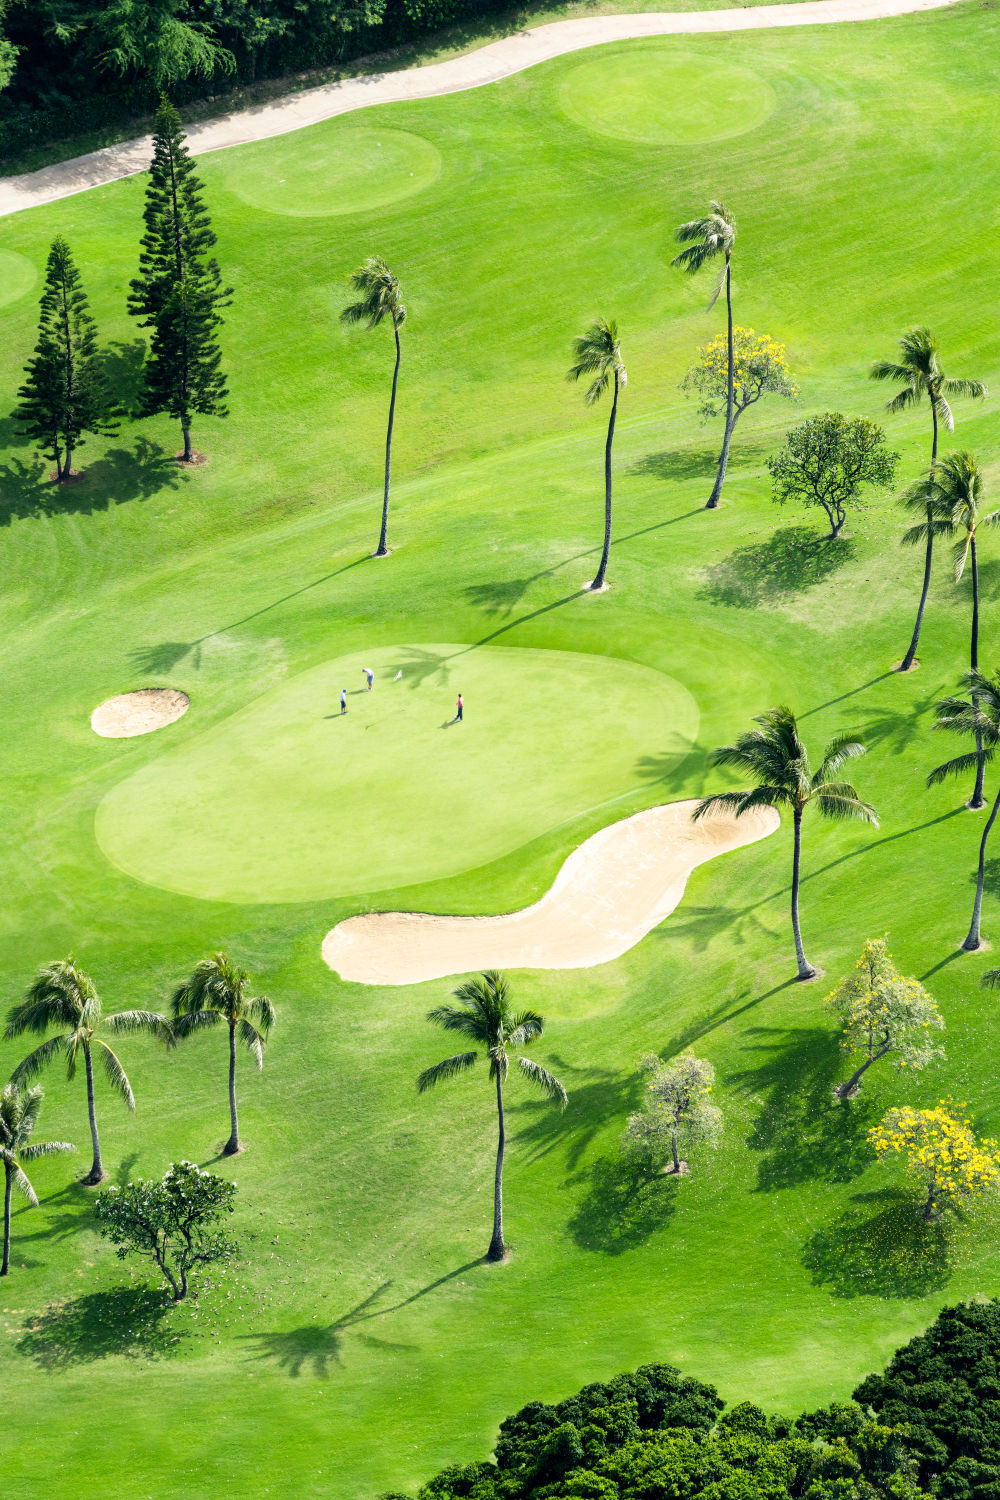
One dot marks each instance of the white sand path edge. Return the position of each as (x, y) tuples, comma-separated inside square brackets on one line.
[(486, 65), (611, 891)]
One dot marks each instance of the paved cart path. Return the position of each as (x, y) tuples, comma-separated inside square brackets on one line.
[(487, 65)]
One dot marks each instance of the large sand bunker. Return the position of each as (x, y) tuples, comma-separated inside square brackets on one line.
[(140, 712), (612, 890)]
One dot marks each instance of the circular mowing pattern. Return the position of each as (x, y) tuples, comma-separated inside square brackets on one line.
[(664, 98), (335, 170), (129, 714), (395, 792), (17, 276)]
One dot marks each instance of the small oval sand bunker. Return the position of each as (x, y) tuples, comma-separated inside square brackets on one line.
[(612, 890), (129, 714), (394, 793)]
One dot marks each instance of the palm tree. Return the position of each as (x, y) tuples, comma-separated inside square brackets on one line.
[(484, 1017), (61, 995), (918, 373), (776, 760), (379, 298), (218, 991), (707, 238), (18, 1118), (976, 717), (598, 352), (952, 493)]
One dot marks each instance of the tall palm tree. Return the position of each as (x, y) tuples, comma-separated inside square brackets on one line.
[(918, 373), (61, 995), (976, 717), (598, 353), (952, 493), (706, 239), (379, 299), (776, 760), (219, 991), (484, 1017), (18, 1118)]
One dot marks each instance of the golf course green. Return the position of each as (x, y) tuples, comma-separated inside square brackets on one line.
[(359, 1343)]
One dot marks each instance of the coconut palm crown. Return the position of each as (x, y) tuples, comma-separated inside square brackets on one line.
[(976, 717), (19, 1113), (705, 239)]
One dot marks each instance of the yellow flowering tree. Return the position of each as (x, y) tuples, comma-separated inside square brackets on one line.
[(882, 1014), (941, 1152), (760, 368), (678, 1109)]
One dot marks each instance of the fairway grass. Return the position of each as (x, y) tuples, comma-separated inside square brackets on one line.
[(358, 1345)]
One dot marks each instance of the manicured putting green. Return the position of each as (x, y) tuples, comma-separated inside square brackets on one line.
[(332, 169), (17, 276), (287, 801), (649, 98)]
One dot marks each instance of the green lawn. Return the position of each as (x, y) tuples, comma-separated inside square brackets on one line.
[(359, 1345)]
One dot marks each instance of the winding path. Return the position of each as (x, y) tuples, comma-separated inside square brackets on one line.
[(488, 64)]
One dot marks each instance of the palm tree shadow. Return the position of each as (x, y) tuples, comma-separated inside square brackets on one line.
[(599, 1095), (720, 1016), (891, 1253), (128, 1322), (790, 561), (501, 596), (625, 1202), (898, 729)]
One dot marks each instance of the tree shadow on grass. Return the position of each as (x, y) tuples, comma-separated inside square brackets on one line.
[(131, 1322), (991, 877), (122, 365), (897, 729), (790, 561), (623, 1205), (881, 1247), (803, 1132), (122, 475), (596, 1095)]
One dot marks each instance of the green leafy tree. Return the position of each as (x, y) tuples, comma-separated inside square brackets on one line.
[(484, 1016), (776, 760), (597, 353), (8, 52), (64, 997), (19, 1113), (379, 299), (883, 1014), (976, 717), (154, 40), (65, 393), (918, 373), (178, 293), (218, 993), (171, 1222), (953, 494), (678, 1111), (707, 239), (827, 461), (760, 368)]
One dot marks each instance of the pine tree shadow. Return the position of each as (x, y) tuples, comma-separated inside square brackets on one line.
[(624, 1203), (789, 562), (11, 435), (888, 1253), (803, 1131), (596, 1095), (122, 475), (24, 489), (130, 1322), (122, 364)]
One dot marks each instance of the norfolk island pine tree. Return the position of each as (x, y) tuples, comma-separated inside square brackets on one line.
[(918, 373), (707, 238), (976, 717), (19, 1113), (598, 353), (61, 995), (484, 1017), (775, 758), (379, 299), (218, 991)]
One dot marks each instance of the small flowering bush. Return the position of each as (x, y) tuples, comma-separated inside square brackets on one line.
[(883, 1014), (941, 1152)]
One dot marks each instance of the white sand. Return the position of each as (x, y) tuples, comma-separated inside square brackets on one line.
[(612, 890), (488, 64), (141, 712)]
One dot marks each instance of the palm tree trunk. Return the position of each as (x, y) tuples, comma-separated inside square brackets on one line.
[(911, 650), (233, 1144), (599, 579), (974, 941), (382, 549), (716, 495), (806, 970), (8, 1188), (96, 1173), (978, 800), (498, 1249)]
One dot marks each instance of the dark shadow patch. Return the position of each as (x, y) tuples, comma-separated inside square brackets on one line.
[(501, 597), (11, 435), (897, 729), (122, 365), (686, 463), (991, 877), (624, 1203), (881, 1247), (596, 1095), (789, 562), (122, 475), (130, 1322)]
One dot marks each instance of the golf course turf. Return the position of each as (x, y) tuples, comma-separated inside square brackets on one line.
[(358, 1344)]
